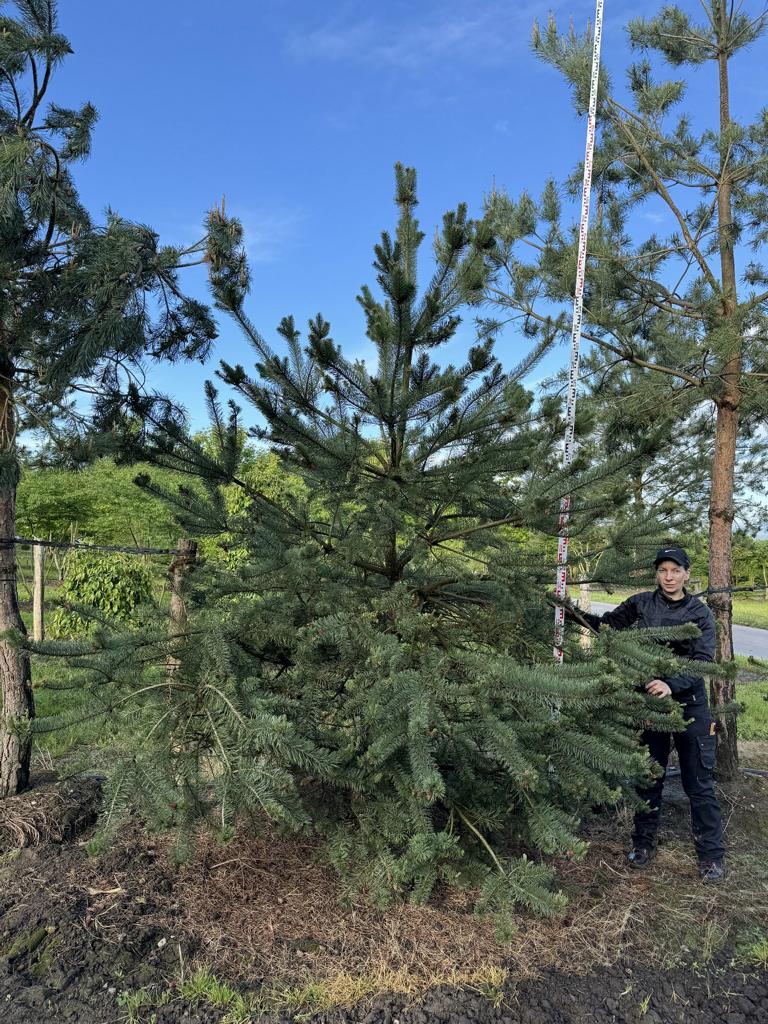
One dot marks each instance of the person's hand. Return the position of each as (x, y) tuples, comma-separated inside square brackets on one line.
[(658, 688)]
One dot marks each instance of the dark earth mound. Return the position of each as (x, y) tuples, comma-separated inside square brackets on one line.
[(619, 995)]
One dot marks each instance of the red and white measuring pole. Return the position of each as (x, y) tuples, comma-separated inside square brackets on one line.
[(578, 307)]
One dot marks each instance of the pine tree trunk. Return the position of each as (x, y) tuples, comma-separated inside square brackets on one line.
[(18, 707), (721, 510)]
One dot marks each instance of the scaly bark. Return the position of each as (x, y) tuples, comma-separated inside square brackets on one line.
[(18, 707), (721, 513), (721, 508)]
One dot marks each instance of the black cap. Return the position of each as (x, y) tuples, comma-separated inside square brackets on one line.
[(672, 555)]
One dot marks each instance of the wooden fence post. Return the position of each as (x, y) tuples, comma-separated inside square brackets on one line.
[(183, 562), (38, 593)]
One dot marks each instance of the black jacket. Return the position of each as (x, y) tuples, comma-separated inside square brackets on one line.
[(652, 608)]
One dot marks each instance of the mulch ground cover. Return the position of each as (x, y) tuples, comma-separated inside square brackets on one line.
[(129, 937)]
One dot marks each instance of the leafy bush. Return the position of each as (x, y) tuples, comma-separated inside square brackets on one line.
[(264, 474), (104, 585)]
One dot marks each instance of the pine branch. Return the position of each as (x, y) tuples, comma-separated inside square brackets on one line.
[(667, 197)]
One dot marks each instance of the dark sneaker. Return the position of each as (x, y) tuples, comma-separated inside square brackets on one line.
[(711, 870), (640, 856)]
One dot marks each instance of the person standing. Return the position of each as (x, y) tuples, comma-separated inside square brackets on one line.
[(671, 605)]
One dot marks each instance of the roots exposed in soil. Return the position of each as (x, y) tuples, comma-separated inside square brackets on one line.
[(52, 810)]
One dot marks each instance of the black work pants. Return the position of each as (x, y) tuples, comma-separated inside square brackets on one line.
[(696, 751)]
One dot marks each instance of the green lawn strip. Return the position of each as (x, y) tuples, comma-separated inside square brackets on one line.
[(70, 705), (64, 710), (747, 611), (753, 720), (751, 613)]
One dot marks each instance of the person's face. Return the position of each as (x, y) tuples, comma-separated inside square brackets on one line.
[(672, 577)]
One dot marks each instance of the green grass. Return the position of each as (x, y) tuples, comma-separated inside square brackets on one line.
[(747, 611), (752, 949), (139, 1004), (757, 666), (52, 703), (65, 714), (753, 721), (205, 987)]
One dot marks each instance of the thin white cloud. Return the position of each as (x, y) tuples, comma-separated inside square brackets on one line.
[(446, 31), (268, 233), (408, 36)]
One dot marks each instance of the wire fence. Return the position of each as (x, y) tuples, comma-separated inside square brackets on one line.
[(6, 542), (184, 557)]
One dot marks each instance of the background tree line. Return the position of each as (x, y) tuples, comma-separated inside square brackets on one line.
[(101, 503)]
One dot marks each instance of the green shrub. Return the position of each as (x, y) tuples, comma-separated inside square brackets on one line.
[(263, 473), (110, 585)]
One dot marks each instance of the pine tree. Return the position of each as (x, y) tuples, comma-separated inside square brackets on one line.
[(76, 303), (671, 305), (672, 480), (377, 664)]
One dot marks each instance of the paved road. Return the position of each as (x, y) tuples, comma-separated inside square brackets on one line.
[(747, 640)]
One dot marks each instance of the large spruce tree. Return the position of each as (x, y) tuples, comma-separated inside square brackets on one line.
[(673, 304), (80, 306), (375, 662)]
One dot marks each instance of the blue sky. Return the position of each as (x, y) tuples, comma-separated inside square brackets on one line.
[(296, 113)]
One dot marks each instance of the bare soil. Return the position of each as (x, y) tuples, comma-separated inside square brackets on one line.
[(119, 937)]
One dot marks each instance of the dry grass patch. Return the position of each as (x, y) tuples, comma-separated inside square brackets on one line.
[(268, 908), (272, 916)]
